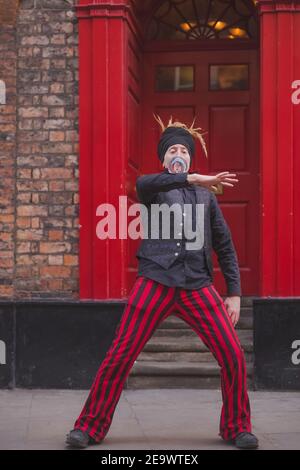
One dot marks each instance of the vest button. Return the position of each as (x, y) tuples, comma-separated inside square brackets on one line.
[(176, 254), (178, 244)]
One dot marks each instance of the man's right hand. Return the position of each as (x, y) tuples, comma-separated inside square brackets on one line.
[(209, 181)]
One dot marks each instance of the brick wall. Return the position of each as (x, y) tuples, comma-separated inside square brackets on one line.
[(40, 243), (7, 159)]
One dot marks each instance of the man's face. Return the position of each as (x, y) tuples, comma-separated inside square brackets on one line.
[(177, 150)]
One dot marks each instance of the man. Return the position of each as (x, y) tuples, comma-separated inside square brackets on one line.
[(173, 278)]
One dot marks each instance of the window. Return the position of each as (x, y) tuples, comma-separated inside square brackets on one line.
[(229, 77), (174, 78), (208, 19)]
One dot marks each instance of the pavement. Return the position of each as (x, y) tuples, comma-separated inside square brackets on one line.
[(146, 419)]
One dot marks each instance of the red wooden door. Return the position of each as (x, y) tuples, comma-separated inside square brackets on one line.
[(220, 89)]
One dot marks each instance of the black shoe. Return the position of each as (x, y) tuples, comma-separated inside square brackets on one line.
[(79, 439), (246, 440)]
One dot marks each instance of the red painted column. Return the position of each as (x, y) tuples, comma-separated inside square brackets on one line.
[(103, 27), (280, 147)]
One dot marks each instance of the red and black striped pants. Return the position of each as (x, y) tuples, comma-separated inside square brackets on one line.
[(150, 303)]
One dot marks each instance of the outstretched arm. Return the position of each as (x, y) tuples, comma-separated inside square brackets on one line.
[(148, 185), (209, 181)]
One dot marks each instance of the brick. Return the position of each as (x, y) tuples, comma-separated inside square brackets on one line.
[(56, 136), (23, 222), (57, 63), (72, 136), (53, 100), (55, 271), (58, 51), (26, 124), (57, 147), (71, 185), (24, 198), (23, 247), (55, 260), (25, 259), (57, 112), (58, 39), (55, 284), (39, 159), (57, 4), (32, 210), (35, 40), (56, 185), (54, 247), (56, 235), (28, 234), (71, 260), (25, 136), (32, 185), (56, 173), (24, 173), (35, 222), (6, 263), (6, 291), (57, 124), (31, 112), (32, 161), (35, 198)]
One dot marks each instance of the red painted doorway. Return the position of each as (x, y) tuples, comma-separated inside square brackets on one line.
[(220, 89)]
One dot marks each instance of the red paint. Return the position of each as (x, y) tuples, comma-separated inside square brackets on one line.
[(231, 121), (280, 146), (113, 133), (103, 30)]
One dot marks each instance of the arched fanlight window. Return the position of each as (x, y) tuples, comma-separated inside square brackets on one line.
[(205, 19)]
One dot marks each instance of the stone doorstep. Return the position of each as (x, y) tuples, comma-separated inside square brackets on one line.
[(174, 322), (188, 343), (184, 356), (186, 329), (143, 382), (180, 368), (181, 374)]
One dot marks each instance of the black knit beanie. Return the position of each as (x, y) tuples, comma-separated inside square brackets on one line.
[(175, 135)]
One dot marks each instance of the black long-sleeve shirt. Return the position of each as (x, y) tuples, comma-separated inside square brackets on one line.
[(185, 271)]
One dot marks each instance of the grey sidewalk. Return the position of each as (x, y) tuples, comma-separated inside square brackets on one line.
[(145, 419)]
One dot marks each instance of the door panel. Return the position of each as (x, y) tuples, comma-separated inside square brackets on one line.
[(222, 92)]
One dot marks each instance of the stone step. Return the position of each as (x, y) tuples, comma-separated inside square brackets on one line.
[(190, 341), (144, 375), (140, 382), (174, 322), (185, 356), (208, 369), (176, 332)]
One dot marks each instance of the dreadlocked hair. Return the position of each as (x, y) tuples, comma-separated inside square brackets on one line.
[(195, 132)]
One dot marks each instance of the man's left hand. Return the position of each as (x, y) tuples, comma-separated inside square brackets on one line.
[(233, 306)]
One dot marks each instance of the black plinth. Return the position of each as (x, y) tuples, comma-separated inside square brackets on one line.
[(55, 344), (277, 343)]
